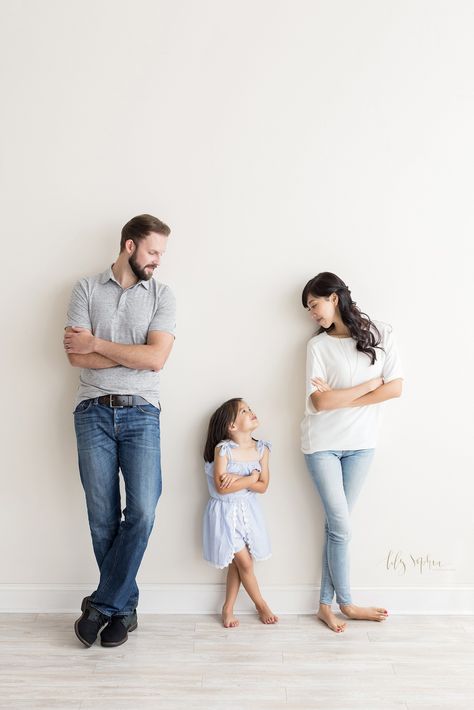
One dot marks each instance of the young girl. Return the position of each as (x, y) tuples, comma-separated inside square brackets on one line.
[(236, 467), (352, 366)]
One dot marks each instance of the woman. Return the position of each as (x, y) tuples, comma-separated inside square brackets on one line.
[(352, 366)]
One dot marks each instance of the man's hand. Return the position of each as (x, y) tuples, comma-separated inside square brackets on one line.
[(78, 341)]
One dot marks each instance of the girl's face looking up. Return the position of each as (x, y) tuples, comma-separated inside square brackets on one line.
[(323, 309), (245, 421)]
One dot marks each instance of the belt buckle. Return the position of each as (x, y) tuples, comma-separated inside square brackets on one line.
[(111, 404)]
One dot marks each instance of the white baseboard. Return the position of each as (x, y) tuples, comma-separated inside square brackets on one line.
[(207, 598)]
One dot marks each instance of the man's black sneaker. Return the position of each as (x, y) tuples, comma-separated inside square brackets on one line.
[(116, 631), (90, 623)]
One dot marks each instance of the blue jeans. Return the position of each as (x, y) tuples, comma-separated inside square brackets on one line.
[(109, 439), (338, 476)]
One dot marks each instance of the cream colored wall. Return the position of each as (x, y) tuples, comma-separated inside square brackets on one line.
[(278, 139)]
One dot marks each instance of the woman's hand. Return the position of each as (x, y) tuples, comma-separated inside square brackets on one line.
[(375, 383), (227, 479), (255, 475), (321, 384)]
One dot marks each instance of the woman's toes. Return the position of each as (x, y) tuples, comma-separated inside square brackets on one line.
[(328, 618)]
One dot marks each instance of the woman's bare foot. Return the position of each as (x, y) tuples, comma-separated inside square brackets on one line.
[(228, 618), (266, 614), (370, 613), (326, 614)]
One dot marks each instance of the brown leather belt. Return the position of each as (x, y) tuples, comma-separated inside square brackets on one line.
[(121, 400)]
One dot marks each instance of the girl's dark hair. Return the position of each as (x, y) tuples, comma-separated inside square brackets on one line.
[(361, 328), (219, 426)]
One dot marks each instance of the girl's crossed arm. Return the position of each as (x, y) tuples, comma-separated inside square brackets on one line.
[(261, 485), (237, 483)]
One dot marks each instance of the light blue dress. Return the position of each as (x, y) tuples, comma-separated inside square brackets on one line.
[(234, 520)]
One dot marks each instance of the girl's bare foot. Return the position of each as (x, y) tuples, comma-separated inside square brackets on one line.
[(228, 618), (266, 614), (370, 613), (326, 614)]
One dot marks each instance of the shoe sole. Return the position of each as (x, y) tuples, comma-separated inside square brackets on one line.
[(119, 643)]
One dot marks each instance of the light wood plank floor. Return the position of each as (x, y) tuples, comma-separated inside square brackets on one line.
[(177, 662)]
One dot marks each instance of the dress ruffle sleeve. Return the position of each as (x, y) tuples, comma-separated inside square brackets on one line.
[(225, 448), (261, 445)]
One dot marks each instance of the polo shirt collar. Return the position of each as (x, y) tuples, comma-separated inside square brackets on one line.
[(108, 275)]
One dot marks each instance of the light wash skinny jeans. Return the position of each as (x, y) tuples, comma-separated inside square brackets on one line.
[(338, 476)]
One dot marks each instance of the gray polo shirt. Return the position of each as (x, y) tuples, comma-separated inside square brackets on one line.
[(100, 304)]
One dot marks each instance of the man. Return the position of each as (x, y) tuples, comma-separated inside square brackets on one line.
[(120, 331)]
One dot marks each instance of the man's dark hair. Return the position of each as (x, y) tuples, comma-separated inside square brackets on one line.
[(139, 227)]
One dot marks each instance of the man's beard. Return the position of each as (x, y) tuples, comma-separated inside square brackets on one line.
[(141, 274)]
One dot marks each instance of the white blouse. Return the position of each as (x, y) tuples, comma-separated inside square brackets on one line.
[(337, 362)]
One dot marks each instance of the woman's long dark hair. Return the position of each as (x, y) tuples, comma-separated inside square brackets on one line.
[(219, 426), (361, 328)]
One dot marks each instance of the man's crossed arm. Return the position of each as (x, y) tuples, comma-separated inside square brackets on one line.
[(86, 350)]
